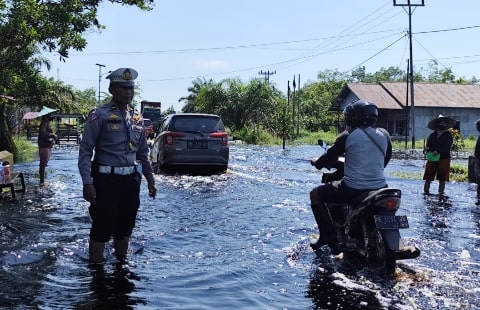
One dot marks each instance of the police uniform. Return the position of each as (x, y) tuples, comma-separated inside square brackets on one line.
[(116, 141)]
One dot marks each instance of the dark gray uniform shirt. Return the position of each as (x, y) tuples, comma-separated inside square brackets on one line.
[(117, 138)]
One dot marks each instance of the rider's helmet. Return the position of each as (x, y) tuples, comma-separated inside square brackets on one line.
[(361, 113)]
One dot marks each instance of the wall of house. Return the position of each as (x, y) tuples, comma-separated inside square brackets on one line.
[(465, 117)]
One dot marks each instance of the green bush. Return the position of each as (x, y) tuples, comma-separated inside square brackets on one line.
[(458, 173), (26, 149)]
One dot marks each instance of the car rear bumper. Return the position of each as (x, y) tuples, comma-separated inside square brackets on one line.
[(196, 158)]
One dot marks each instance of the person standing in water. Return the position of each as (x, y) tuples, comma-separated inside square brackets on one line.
[(114, 137), (46, 141), (438, 147)]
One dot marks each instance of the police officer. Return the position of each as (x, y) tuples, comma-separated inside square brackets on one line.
[(114, 137)]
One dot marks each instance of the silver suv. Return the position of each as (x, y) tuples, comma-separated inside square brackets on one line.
[(190, 142)]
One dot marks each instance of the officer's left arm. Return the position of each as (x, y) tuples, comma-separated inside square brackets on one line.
[(142, 156)]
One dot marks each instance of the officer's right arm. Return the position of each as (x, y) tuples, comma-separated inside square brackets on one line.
[(87, 145)]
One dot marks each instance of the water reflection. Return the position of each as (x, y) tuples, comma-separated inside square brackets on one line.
[(437, 217), (112, 288)]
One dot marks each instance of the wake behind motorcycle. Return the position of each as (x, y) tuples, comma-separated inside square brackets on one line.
[(369, 226)]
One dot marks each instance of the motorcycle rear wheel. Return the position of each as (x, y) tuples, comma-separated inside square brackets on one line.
[(380, 254)]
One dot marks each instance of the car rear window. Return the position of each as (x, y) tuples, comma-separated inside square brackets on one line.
[(195, 123)]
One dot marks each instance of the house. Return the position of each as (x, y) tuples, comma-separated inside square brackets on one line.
[(461, 102)]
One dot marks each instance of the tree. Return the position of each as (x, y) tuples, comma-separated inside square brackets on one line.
[(436, 75), (317, 98), (390, 74), (30, 27), (194, 90), (85, 101)]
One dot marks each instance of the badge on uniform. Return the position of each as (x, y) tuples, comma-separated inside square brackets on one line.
[(114, 127), (113, 116), (92, 116)]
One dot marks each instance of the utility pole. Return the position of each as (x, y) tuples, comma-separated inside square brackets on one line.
[(288, 105), (297, 101), (410, 75), (267, 74), (99, 79)]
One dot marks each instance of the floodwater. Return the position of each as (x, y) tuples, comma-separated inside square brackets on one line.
[(239, 240)]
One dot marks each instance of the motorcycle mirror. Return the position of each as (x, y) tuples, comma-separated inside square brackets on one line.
[(322, 143)]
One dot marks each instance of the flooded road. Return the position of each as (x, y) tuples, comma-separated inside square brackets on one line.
[(238, 240)]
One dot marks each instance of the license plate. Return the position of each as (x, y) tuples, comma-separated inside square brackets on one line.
[(197, 144), (391, 222)]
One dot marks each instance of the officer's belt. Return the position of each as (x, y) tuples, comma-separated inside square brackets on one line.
[(117, 170)]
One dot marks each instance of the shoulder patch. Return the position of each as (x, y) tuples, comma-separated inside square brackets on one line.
[(92, 116)]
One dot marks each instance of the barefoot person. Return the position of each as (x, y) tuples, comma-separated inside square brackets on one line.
[(46, 140)]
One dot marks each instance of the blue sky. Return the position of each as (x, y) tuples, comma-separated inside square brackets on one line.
[(181, 40)]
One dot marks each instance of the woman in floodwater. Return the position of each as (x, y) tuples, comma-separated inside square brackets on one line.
[(46, 140)]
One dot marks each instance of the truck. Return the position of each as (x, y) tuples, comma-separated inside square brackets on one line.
[(152, 110)]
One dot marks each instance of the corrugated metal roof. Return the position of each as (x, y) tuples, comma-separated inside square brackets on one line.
[(436, 95), (376, 94), (394, 95)]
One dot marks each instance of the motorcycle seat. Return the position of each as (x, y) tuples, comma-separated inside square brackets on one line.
[(355, 202), (364, 198)]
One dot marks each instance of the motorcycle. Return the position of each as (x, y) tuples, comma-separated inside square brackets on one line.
[(368, 225)]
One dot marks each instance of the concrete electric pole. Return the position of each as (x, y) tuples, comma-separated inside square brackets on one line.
[(409, 4)]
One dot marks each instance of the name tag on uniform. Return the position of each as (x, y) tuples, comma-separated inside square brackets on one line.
[(113, 116), (113, 127)]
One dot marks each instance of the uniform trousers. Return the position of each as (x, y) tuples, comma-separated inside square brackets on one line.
[(116, 205)]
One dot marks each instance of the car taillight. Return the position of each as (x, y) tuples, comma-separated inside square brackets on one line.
[(169, 135), (389, 203), (222, 135)]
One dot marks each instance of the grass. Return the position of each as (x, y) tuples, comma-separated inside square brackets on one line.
[(26, 149), (458, 173)]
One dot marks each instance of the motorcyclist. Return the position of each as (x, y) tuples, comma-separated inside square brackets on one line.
[(367, 151)]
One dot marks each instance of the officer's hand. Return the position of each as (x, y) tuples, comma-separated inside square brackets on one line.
[(152, 190), (89, 193)]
